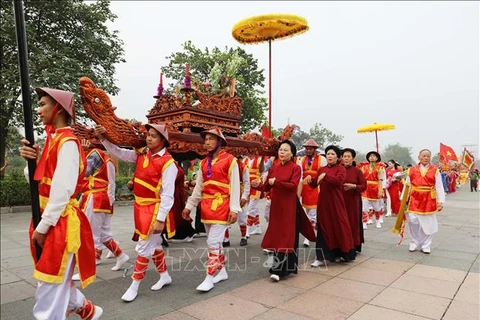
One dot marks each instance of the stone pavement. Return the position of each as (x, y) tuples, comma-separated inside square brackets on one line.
[(385, 282)]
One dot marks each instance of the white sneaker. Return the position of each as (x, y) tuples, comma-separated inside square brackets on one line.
[(98, 313), (412, 247), (370, 221), (222, 275), (76, 277), (426, 250), (306, 243), (388, 214), (275, 277), (365, 226), (121, 259), (207, 284), (381, 219), (98, 261), (164, 280), (258, 230), (266, 251), (190, 239), (317, 263), (132, 291), (379, 225)]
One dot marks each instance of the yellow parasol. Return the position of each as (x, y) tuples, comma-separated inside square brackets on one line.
[(269, 27), (375, 127)]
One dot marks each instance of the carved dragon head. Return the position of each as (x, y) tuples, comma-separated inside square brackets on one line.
[(99, 107)]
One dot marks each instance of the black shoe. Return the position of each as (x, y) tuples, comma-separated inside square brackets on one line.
[(226, 244), (164, 241), (243, 242)]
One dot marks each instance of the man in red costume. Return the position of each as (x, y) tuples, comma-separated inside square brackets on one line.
[(98, 195), (255, 167), (218, 187), (372, 198), (64, 232), (310, 164), (242, 215), (426, 199), (153, 188)]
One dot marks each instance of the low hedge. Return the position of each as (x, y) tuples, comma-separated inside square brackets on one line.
[(15, 191)]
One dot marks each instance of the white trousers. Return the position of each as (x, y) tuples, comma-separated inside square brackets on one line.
[(268, 203), (100, 224), (242, 217), (215, 234), (388, 205), (422, 228), (252, 209), (375, 205), (52, 300), (311, 214), (147, 247)]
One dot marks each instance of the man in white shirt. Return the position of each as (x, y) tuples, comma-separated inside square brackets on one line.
[(153, 187)]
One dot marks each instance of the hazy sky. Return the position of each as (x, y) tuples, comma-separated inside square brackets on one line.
[(413, 64)]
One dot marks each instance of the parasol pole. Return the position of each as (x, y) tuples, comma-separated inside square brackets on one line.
[(27, 109), (270, 85), (376, 139)]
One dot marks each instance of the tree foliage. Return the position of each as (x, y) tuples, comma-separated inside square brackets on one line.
[(249, 78), (435, 158), (399, 153), (323, 136), (66, 39)]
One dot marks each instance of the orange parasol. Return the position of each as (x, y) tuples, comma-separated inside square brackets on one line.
[(269, 27), (375, 127)]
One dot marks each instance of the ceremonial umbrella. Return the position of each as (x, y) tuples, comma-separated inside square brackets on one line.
[(375, 127), (269, 27)]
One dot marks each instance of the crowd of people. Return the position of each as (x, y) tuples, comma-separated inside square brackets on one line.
[(329, 199)]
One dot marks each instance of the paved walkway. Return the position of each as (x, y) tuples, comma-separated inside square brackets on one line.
[(385, 282)]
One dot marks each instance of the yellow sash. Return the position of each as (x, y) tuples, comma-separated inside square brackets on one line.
[(217, 199)]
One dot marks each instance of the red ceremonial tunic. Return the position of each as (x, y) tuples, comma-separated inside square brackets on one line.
[(72, 233), (147, 185), (309, 194), (180, 198), (216, 189), (254, 170), (96, 186), (281, 233), (395, 190), (353, 202), (332, 214), (453, 182), (423, 197), (372, 176), (241, 170)]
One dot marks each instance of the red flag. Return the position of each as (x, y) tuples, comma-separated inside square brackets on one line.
[(266, 132), (447, 153), (467, 159)]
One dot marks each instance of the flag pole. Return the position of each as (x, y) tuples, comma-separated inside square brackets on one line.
[(27, 110)]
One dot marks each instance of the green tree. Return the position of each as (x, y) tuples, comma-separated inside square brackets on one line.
[(12, 143), (66, 40), (399, 153), (299, 137), (360, 156), (323, 136), (249, 79), (436, 158)]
